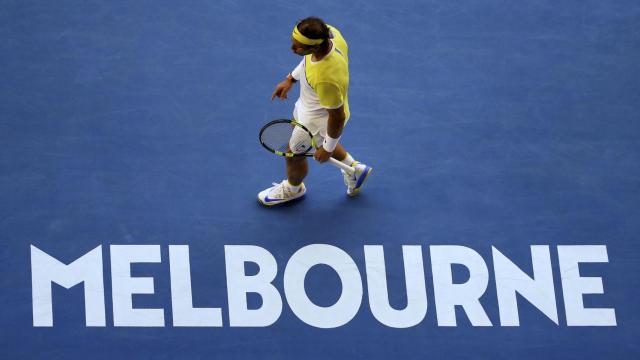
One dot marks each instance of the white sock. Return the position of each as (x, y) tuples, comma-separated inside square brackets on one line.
[(348, 160), (293, 188)]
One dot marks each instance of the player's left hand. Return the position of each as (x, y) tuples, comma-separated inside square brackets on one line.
[(322, 155)]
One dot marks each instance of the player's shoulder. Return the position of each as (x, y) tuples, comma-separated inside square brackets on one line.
[(335, 33)]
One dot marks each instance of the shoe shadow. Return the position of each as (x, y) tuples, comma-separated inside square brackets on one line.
[(282, 207)]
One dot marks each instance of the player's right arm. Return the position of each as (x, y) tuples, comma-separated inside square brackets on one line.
[(283, 88)]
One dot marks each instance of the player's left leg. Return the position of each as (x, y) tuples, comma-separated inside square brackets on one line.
[(341, 154), (362, 171)]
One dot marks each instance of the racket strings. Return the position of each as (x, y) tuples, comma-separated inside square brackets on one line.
[(286, 138), (276, 136)]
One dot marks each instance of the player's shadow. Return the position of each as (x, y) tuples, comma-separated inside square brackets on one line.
[(335, 221)]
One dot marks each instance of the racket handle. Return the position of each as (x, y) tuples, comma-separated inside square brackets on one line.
[(341, 165)]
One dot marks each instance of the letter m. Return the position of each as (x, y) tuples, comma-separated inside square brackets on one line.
[(86, 269)]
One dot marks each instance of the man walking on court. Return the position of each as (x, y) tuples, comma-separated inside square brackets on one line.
[(322, 107)]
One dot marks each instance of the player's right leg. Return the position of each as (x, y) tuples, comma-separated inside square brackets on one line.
[(289, 189), (297, 168)]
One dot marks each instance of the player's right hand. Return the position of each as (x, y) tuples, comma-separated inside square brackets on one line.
[(282, 89)]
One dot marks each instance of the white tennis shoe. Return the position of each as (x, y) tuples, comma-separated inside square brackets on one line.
[(354, 182), (280, 193)]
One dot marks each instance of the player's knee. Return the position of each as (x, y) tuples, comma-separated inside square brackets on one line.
[(296, 160), (299, 146), (300, 142)]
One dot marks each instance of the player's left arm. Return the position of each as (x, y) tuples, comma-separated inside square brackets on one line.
[(335, 125), (332, 99)]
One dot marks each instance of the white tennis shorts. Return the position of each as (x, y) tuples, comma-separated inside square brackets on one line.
[(315, 121)]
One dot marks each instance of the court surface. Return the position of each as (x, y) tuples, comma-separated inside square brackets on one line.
[(488, 124)]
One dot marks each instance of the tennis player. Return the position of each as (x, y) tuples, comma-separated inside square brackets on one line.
[(322, 107)]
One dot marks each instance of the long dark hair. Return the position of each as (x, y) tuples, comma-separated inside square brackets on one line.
[(315, 28)]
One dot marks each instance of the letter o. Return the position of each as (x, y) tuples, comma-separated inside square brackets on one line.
[(350, 299)]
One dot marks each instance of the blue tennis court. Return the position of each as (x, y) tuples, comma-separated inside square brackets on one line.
[(502, 135)]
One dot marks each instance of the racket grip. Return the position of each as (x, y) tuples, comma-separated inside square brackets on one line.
[(341, 165)]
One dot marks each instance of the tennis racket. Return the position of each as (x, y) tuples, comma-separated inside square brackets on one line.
[(276, 135)]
